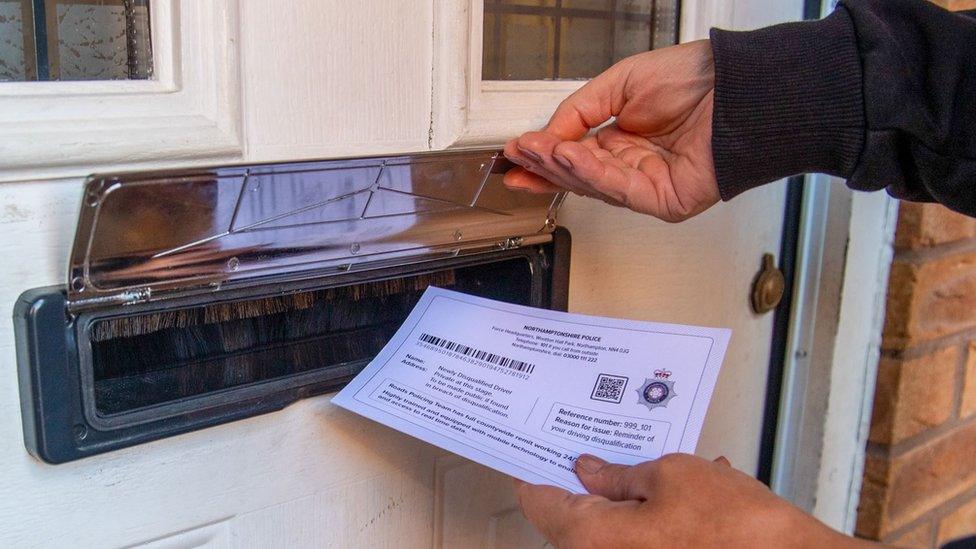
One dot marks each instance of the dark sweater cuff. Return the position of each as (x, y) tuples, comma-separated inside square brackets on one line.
[(788, 100)]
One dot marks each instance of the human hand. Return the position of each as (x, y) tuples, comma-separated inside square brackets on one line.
[(657, 156), (678, 500)]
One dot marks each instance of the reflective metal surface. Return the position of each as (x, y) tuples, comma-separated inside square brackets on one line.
[(141, 235)]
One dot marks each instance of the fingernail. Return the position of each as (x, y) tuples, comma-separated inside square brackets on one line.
[(589, 464), (563, 161), (531, 154)]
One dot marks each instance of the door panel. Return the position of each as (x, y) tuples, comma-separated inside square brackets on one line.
[(471, 510), (696, 272), (330, 78), (326, 78)]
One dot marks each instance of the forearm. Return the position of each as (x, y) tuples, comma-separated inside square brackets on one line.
[(880, 92), (787, 101)]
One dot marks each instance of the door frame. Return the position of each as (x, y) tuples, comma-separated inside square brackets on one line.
[(844, 254), (844, 245)]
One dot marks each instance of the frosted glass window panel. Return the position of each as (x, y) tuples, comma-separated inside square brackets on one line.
[(630, 37), (665, 24), (75, 40), (640, 6), (537, 3), (587, 4), (97, 39), (570, 39), (523, 48), (13, 58), (585, 46)]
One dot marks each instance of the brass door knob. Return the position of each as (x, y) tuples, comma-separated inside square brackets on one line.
[(767, 289)]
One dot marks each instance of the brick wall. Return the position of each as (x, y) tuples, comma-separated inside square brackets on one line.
[(920, 471)]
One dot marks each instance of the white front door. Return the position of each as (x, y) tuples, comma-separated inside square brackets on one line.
[(263, 80)]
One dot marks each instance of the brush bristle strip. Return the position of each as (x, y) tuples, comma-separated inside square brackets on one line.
[(131, 326)]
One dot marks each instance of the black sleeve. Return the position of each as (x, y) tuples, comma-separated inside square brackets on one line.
[(881, 92)]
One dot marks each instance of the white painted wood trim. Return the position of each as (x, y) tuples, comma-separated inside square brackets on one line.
[(449, 88), (467, 111), (809, 284), (189, 110), (855, 358), (699, 16)]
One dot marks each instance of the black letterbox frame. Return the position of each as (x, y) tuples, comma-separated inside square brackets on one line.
[(57, 407)]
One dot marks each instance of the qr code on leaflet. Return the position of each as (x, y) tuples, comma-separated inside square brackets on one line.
[(609, 388)]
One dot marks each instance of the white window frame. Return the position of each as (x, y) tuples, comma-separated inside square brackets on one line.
[(189, 110), (467, 111)]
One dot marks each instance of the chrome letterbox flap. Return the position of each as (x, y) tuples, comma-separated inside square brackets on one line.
[(145, 235)]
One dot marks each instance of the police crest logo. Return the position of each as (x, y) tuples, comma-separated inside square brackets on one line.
[(657, 391)]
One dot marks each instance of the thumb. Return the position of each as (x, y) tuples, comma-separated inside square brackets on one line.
[(614, 482), (584, 109)]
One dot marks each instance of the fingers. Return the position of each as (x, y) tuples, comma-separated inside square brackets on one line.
[(536, 148), (615, 482), (552, 510), (617, 167), (597, 171), (610, 166), (534, 152), (588, 171), (580, 518), (578, 159), (520, 179), (587, 108), (548, 507)]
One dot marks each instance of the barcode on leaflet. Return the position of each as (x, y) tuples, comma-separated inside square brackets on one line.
[(485, 356)]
